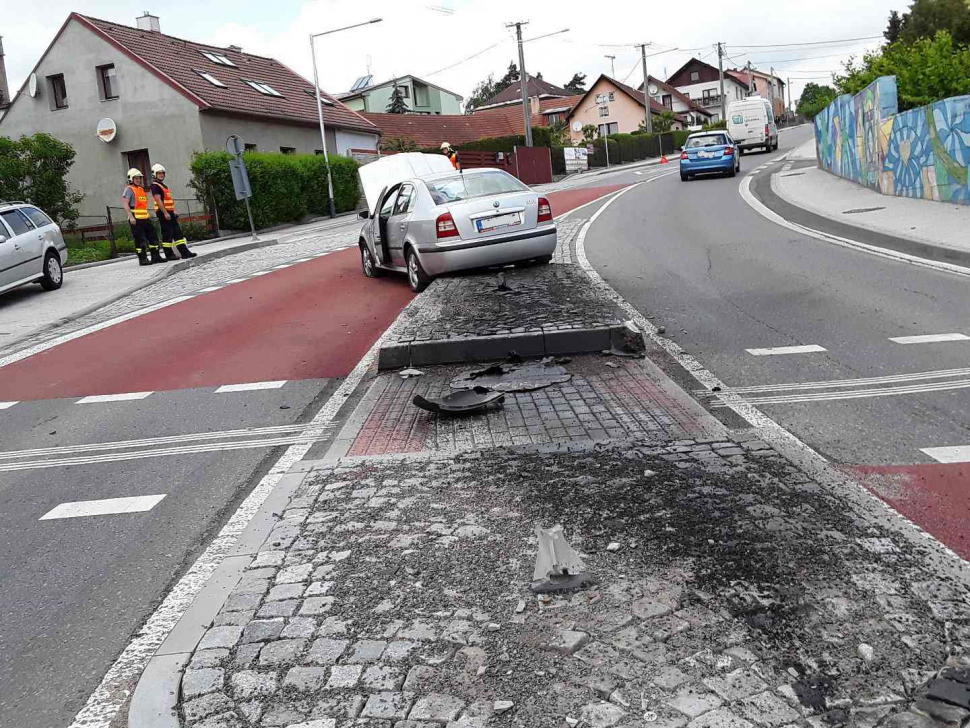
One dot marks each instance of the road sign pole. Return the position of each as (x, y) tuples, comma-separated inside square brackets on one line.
[(249, 212)]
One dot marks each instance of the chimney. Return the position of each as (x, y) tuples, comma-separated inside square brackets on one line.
[(236, 48), (148, 22), (4, 89)]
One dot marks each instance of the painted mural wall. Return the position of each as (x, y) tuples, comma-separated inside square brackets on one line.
[(922, 153)]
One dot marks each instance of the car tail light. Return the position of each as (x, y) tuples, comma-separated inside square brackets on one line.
[(767, 131), (545, 210), (445, 226), (729, 152), (683, 155)]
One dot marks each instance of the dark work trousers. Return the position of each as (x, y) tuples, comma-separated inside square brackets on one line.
[(171, 230), (146, 239)]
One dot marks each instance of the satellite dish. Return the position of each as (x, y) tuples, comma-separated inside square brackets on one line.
[(653, 89), (577, 126), (32, 85), (107, 130)]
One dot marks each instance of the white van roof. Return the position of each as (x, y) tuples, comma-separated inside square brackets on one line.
[(395, 168)]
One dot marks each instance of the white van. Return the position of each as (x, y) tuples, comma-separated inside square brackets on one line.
[(752, 124)]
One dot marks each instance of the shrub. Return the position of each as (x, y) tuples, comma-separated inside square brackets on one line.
[(286, 187)]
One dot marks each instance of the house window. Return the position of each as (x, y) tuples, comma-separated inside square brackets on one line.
[(264, 88), (251, 147), (107, 82), (611, 128), (421, 96), (604, 110), (668, 101), (612, 96), (695, 76), (58, 91), (218, 58), (405, 91), (323, 99), (288, 150), (211, 79), (554, 118)]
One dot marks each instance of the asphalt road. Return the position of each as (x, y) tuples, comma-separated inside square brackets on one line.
[(724, 280), (76, 589)]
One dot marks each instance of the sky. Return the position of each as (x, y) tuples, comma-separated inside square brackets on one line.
[(457, 43)]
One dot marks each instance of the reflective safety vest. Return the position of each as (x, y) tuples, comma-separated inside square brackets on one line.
[(454, 160), (140, 209), (166, 197)]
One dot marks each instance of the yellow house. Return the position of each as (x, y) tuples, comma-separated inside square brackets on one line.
[(613, 108)]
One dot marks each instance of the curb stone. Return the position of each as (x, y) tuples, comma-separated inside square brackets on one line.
[(170, 270)]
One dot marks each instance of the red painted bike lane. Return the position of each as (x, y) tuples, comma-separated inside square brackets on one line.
[(312, 320)]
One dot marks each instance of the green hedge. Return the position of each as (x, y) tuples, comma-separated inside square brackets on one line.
[(286, 187), (541, 137)]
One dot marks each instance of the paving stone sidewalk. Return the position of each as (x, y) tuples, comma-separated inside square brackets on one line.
[(732, 592)]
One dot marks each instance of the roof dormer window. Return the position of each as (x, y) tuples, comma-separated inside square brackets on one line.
[(211, 79), (264, 88), (218, 58)]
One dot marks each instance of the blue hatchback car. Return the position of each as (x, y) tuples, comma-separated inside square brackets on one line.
[(709, 152)]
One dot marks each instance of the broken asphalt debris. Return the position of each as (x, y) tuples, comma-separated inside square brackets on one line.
[(467, 400), (408, 373), (514, 377), (558, 566)]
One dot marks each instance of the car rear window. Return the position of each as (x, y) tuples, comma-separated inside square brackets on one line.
[(16, 222), (36, 216), (467, 186), (708, 140)]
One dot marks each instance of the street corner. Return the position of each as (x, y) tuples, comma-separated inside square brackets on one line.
[(724, 587)]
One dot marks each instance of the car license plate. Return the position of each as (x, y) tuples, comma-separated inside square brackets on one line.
[(707, 155), (489, 224)]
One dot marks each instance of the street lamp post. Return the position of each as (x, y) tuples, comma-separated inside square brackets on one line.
[(316, 85)]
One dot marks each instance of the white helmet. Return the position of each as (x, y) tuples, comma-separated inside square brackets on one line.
[(156, 168), (134, 172), (445, 145)]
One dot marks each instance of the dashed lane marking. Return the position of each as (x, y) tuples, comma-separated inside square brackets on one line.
[(126, 397), (957, 454), (929, 338), (842, 383), (252, 386), (6, 405), (807, 349), (105, 507), (857, 394)]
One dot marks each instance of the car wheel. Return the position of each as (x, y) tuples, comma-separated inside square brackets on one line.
[(367, 263), (53, 273), (684, 177), (544, 260), (733, 171), (417, 278)]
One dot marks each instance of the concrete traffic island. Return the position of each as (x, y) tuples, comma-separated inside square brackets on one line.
[(541, 311)]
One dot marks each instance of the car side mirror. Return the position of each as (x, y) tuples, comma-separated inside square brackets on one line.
[(363, 215)]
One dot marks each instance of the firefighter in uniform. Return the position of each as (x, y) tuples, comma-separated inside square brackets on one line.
[(168, 219), (451, 154), (135, 201)]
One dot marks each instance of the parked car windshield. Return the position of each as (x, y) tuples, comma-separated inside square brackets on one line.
[(709, 140), (464, 187)]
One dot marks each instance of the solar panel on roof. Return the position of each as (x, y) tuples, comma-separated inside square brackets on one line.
[(362, 82)]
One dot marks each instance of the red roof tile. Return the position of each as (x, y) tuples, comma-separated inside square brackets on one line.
[(177, 61), (535, 87)]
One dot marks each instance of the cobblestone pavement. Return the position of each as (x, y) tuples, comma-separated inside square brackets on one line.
[(607, 397), (568, 230), (731, 592), (305, 241), (539, 298)]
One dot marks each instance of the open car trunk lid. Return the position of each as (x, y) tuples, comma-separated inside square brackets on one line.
[(390, 170)]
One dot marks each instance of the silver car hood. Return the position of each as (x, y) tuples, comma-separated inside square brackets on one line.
[(394, 168)]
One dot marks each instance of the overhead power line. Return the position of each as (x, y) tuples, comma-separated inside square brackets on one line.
[(810, 43), (465, 60)]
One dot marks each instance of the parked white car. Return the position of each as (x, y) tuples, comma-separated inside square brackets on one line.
[(751, 123), (426, 219), (32, 249)]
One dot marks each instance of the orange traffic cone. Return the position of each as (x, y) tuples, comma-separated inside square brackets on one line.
[(664, 160)]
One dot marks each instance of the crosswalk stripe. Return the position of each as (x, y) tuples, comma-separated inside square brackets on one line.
[(104, 507), (957, 454), (929, 338), (6, 405), (807, 349), (251, 386), (126, 397)]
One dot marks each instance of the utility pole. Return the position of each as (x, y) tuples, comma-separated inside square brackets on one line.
[(612, 65), (750, 80), (791, 111), (771, 88), (720, 73), (646, 87), (523, 83)]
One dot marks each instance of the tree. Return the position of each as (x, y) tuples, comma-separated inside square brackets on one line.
[(489, 88), (397, 105), (662, 123), (34, 169), (589, 132), (894, 28), (814, 99), (926, 18), (926, 70), (577, 84)]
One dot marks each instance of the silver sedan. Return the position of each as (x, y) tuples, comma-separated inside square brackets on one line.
[(440, 222)]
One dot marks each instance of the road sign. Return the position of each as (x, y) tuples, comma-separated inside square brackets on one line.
[(240, 179), (235, 145)]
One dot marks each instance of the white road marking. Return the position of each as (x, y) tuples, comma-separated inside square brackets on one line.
[(957, 454), (837, 383), (929, 338), (807, 349), (119, 682), (126, 397), (210, 289), (236, 280), (281, 267), (302, 260), (7, 405), (251, 386), (259, 273), (745, 190), (106, 507), (858, 394)]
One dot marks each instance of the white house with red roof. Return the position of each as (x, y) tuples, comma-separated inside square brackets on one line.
[(166, 98)]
